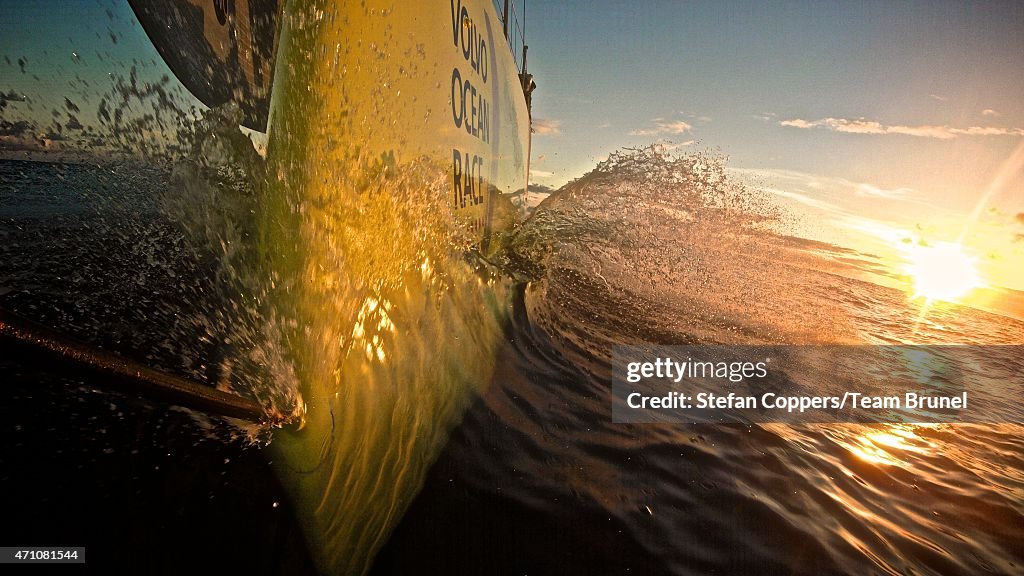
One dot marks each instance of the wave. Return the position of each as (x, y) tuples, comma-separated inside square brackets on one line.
[(651, 248)]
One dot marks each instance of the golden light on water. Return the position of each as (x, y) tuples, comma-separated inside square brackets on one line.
[(942, 272), (889, 445)]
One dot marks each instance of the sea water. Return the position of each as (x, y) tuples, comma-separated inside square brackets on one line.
[(649, 250), (537, 478)]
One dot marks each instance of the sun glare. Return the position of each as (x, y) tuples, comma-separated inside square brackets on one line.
[(942, 272)]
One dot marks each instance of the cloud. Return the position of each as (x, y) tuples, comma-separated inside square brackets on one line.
[(1019, 218), (795, 182), (990, 112), (699, 118), (937, 97), (668, 145), (541, 173), (870, 191), (797, 123), (802, 198), (662, 126), (862, 126), (547, 127), (604, 125), (988, 131)]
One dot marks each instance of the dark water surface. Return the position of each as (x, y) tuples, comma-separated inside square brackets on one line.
[(536, 479)]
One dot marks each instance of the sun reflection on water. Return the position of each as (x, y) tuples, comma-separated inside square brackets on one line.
[(890, 445)]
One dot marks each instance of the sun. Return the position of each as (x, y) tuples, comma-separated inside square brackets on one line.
[(942, 272)]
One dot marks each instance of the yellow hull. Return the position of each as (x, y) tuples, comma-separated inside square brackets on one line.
[(402, 82), (394, 130)]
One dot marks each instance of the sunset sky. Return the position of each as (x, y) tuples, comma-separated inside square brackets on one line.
[(881, 125)]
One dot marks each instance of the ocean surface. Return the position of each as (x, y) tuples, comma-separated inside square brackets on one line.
[(535, 478)]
